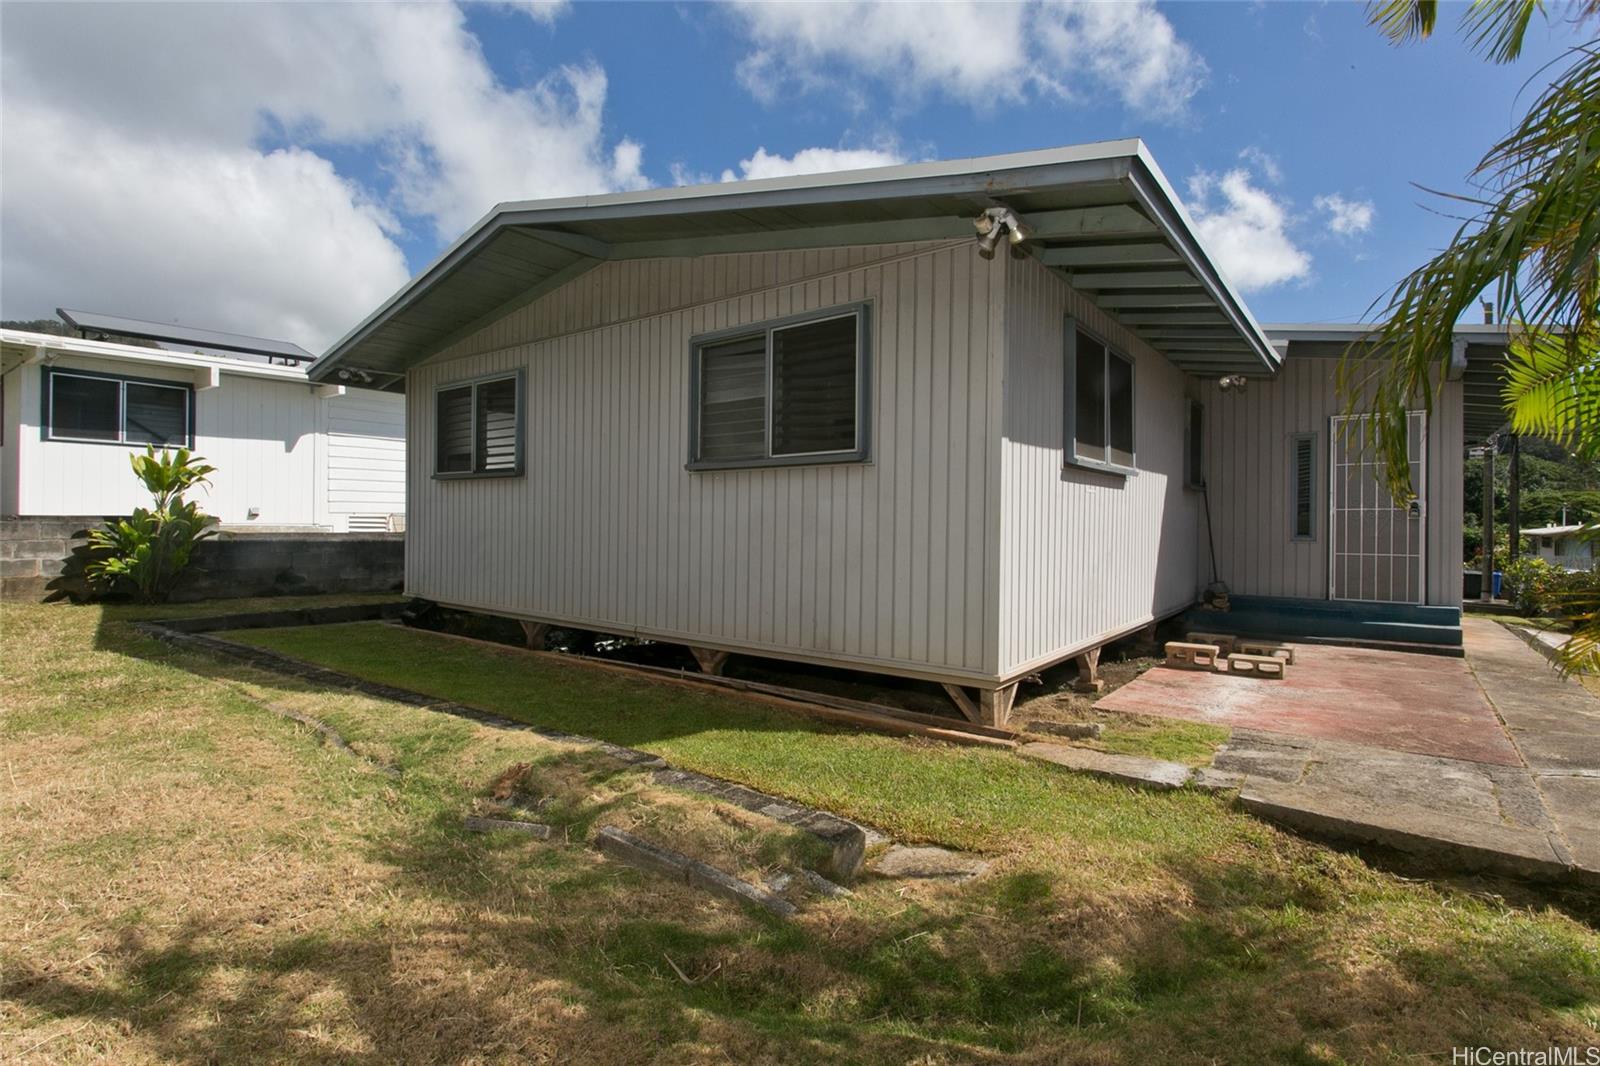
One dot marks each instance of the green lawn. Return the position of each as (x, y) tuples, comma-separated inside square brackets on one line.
[(187, 876)]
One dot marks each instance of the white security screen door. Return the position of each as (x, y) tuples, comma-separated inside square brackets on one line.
[(1375, 546)]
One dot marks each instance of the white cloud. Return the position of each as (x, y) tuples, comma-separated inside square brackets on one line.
[(273, 244), (1264, 161), (978, 53), (1246, 229), (1347, 218), (264, 97), (764, 164)]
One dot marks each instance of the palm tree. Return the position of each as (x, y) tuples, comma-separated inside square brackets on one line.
[(1532, 236)]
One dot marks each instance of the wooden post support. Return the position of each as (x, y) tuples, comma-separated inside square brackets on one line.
[(711, 661), (533, 634), (1089, 672), (994, 704), (963, 702)]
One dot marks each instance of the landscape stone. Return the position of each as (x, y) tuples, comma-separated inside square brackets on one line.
[(928, 863)]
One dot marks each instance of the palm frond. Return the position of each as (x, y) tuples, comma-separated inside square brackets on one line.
[(1404, 21), (1537, 244)]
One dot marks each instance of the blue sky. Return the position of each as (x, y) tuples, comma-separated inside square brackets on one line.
[(336, 150)]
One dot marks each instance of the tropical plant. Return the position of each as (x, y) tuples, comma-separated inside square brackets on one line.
[(144, 553), (1531, 235)]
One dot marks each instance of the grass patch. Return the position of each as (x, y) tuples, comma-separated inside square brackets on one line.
[(257, 896)]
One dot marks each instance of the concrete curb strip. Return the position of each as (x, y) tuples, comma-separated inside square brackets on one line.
[(491, 825), (1479, 846), (846, 841), (630, 850), (1125, 769)]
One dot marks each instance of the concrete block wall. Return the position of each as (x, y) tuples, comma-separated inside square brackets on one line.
[(34, 550), (43, 558)]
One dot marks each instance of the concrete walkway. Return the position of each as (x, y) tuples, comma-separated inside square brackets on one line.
[(1555, 724), (1527, 803)]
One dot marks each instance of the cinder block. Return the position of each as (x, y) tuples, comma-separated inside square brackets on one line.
[(1193, 655), (1256, 665), (1224, 641), (19, 567), (1268, 648)]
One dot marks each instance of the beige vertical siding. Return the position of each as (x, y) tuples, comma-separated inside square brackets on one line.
[(879, 564), (1248, 475), (1084, 555)]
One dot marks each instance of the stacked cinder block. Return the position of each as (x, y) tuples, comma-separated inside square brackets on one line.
[(33, 551), (1227, 654)]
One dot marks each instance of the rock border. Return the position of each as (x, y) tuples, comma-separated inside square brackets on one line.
[(845, 840), (641, 854)]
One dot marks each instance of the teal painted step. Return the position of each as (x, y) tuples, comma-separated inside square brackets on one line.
[(1265, 616)]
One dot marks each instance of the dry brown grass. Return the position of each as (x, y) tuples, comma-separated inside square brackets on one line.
[(186, 877)]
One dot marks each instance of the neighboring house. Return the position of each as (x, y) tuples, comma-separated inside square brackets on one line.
[(289, 454), (823, 419), (1562, 546)]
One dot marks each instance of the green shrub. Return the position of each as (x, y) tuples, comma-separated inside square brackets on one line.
[(1526, 583), (144, 553), (1536, 587)]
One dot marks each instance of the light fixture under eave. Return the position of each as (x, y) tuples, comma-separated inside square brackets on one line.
[(1228, 382), (997, 221)]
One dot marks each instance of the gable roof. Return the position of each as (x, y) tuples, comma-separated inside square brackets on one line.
[(1102, 215)]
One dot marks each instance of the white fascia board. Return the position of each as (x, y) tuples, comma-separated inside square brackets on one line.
[(205, 366)]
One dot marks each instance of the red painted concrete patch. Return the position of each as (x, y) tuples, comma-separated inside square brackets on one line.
[(1425, 704)]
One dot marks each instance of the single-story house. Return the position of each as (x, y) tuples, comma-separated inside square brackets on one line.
[(290, 454), (1562, 546), (956, 421)]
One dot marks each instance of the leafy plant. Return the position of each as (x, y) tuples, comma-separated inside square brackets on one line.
[(1531, 235), (145, 552)]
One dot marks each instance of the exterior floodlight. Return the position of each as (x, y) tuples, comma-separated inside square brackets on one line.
[(1231, 381), (997, 221)]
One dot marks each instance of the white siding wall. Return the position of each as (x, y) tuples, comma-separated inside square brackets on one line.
[(9, 427), (1248, 474), (879, 564), (263, 436), (1085, 555), (366, 456)]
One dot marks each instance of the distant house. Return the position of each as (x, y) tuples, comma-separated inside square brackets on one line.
[(954, 421), (1562, 546), (290, 453)]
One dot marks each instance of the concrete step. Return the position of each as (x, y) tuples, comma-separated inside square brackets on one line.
[(1384, 623)]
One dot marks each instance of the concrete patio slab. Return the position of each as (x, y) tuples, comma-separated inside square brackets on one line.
[(1422, 704)]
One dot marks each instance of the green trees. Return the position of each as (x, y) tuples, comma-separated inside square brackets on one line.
[(1531, 238), (145, 552)]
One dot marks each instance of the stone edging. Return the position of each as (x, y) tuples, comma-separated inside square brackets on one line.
[(845, 840), (833, 830)]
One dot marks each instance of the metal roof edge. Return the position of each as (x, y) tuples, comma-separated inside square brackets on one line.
[(861, 183), (1162, 199)]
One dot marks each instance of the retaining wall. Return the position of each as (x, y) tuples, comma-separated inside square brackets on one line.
[(43, 558)]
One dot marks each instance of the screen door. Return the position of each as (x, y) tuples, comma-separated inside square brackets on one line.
[(1376, 547)]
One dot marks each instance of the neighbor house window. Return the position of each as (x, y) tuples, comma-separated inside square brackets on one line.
[(479, 428), (1194, 446), (1100, 405), (1303, 469), (106, 409), (785, 392)]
